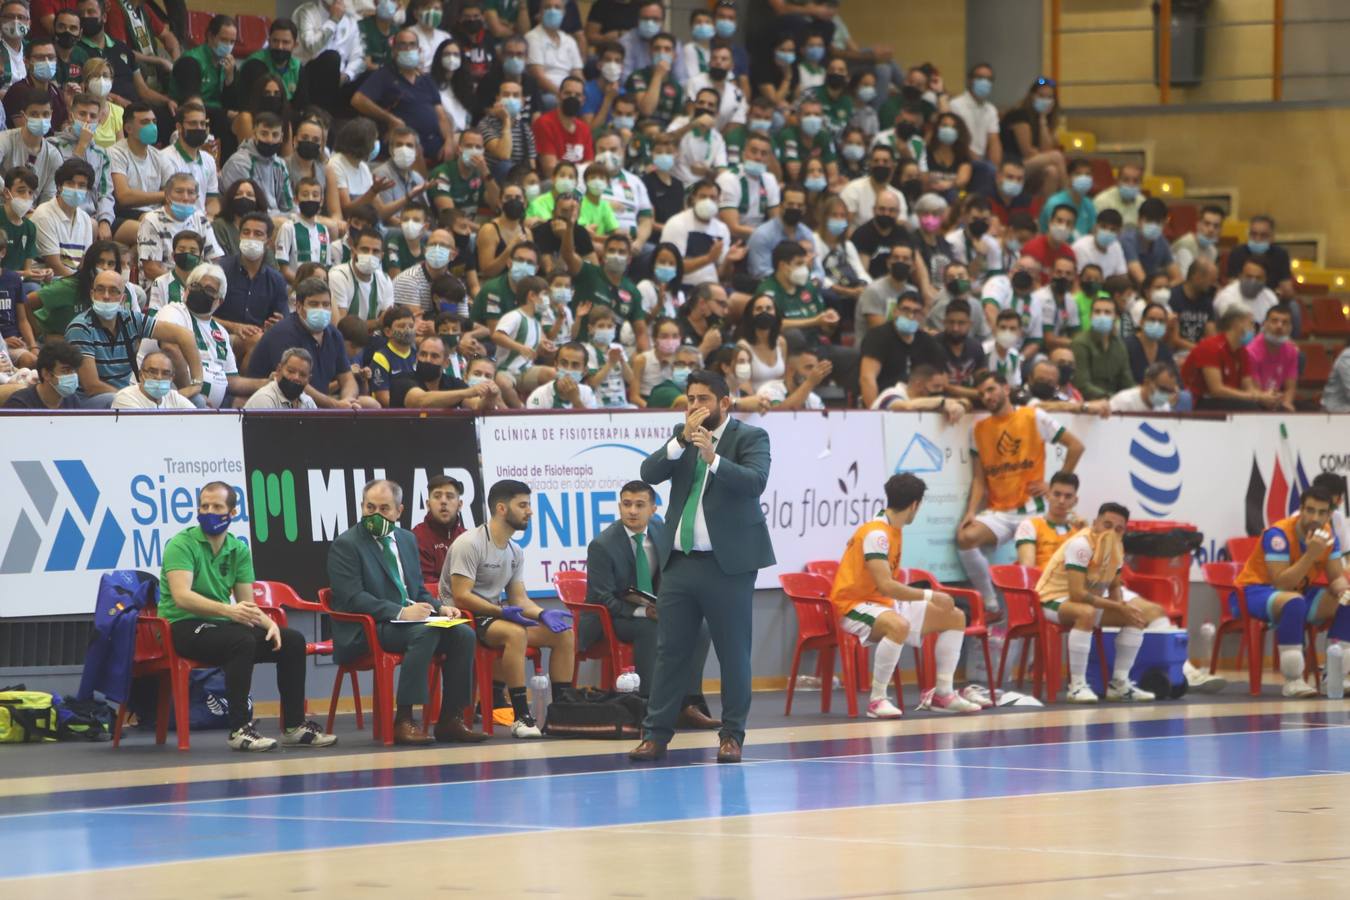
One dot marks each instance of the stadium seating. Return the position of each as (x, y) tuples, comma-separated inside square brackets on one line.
[(252, 35), (975, 628), (614, 655)]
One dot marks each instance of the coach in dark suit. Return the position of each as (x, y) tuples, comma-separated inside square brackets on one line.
[(717, 543), (374, 570), (628, 555)]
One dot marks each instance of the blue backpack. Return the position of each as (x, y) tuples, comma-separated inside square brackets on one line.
[(208, 710), (122, 594)]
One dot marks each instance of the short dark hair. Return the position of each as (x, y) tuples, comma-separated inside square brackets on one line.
[(1317, 493), (1022, 221), (1065, 207), (187, 234), (786, 251), (1327, 481), (437, 481), (1153, 209), (1282, 308), (396, 312), (639, 487), (23, 174), (904, 490), (1008, 315), (713, 381), (531, 285), (231, 495), (957, 305), (309, 287), (219, 21), (1064, 478), (262, 218), (505, 491), (284, 25), (72, 167), (1110, 217), (983, 375), (57, 350), (1118, 508)]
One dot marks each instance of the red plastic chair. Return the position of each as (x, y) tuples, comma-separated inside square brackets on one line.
[(483, 659), (1222, 576), (1240, 548), (614, 655), (818, 629), (975, 628), (1330, 317), (825, 568), (828, 569), (281, 596), (1026, 617), (252, 35), (197, 24), (1162, 590)]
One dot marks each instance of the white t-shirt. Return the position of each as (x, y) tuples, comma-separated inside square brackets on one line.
[(999, 290), (753, 198), (523, 329), (981, 118), (427, 42), (144, 174), (1230, 297), (860, 198), (546, 397), (356, 179), (132, 397), (213, 346), (558, 54), (58, 234), (347, 290), (1111, 260), (677, 230), (1129, 400), (776, 392), (1051, 321), (1010, 366), (202, 169)]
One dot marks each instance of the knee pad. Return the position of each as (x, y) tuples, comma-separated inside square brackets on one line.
[(1293, 617)]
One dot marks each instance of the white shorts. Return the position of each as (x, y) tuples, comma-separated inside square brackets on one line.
[(1050, 608), (858, 620), (1003, 523)]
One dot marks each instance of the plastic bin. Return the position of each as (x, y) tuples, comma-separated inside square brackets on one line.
[(1163, 651), (1163, 548)]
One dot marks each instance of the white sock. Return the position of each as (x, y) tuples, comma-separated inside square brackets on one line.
[(976, 565), (1291, 661), (884, 660), (1127, 648), (1080, 645), (948, 653), (1162, 623)]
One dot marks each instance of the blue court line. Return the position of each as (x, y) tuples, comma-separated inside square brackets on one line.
[(50, 843), (485, 771)]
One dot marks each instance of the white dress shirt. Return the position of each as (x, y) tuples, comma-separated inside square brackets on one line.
[(702, 542), (649, 548)]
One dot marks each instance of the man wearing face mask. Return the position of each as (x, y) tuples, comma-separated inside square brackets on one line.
[(1193, 303), (750, 193), (185, 155), (862, 194), (257, 295), (702, 151), (154, 390), (1146, 250), (1014, 291), (1054, 243), (1273, 358), (598, 103), (701, 237), (40, 82), (1158, 391), (277, 58), (460, 182), (171, 287), (788, 225), (1101, 362), (567, 390), (412, 287), (1260, 243), (972, 243), (875, 240), (1077, 194), (1217, 371), (806, 319), (891, 349), (624, 191), (552, 54), (879, 298), (431, 386), (1049, 388), (561, 133), (77, 142), (1125, 196), (402, 95), (57, 368), (640, 44), (1060, 319), (259, 160), (329, 45), (286, 388), (1011, 196), (1248, 291), (27, 146), (398, 355), (980, 114), (179, 212), (208, 71), (361, 287)]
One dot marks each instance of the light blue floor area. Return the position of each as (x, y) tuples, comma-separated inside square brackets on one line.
[(61, 842)]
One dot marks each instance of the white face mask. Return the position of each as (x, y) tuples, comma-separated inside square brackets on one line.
[(705, 209), (366, 263), (101, 86), (800, 275), (21, 206), (742, 371), (251, 249), (1008, 340), (412, 230), (403, 157)]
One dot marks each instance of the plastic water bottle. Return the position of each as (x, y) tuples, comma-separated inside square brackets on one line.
[(1335, 680), (1205, 646), (539, 698), (628, 681)]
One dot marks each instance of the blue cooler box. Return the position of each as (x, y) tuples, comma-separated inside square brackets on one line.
[(1161, 649)]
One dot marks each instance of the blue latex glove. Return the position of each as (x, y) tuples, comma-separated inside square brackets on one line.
[(513, 614), (556, 619)]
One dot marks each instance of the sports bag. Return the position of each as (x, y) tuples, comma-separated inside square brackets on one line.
[(26, 716), (590, 713)]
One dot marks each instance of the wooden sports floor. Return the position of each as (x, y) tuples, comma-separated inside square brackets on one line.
[(1220, 797)]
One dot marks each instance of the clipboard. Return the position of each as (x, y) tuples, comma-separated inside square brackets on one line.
[(639, 598)]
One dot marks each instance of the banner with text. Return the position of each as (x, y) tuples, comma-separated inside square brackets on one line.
[(87, 494)]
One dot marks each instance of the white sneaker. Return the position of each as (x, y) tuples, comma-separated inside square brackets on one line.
[(883, 709), (1080, 692), (1124, 690), (1202, 682), (1298, 689), (978, 695), (950, 702), (249, 740), (308, 735), (525, 728)]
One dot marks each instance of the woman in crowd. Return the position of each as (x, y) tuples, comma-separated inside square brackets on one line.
[(499, 234), (651, 367), (661, 294), (760, 332), (241, 198)]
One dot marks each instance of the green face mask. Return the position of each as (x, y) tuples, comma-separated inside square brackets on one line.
[(376, 525)]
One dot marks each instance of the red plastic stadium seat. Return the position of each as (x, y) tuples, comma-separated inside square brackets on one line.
[(1331, 317), (614, 655), (281, 596), (1162, 590), (1026, 620), (197, 22), (252, 35), (1181, 219), (1102, 176), (1317, 363)]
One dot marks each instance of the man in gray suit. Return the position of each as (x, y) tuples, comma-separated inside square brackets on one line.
[(617, 569), (373, 568), (717, 468)]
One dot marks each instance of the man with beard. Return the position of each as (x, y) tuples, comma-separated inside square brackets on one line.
[(444, 523), (1008, 476), (717, 467)]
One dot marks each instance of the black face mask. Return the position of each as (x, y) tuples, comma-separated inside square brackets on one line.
[(242, 205), (957, 286), (1066, 372), (570, 106), (1021, 282), (90, 25), (978, 228), (900, 271), (428, 372), (309, 208), (906, 130), (836, 82), (195, 137), (911, 188), (187, 261), (462, 244), (880, 174), (951, 338), (1061, 285), (792, 217), (267, 149), (1092, 288), (65, 40), (291, 390), (513, 208), (271, 104), (307, 150), (280, 58), (198, 300), (885, 223), (471, 27), (717, 73), (1042, 391), (764, 321)]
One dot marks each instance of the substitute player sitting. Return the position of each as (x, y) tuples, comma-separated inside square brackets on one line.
[(1008, 478), (1080, 587), (1038, 537), (874, 606), (1283, 583)]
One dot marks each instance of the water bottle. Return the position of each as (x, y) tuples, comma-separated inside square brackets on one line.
[(539, 698), (1204, 647), (628, 681), (1335, 680)]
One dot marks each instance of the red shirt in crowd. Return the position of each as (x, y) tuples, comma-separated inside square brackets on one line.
[(1023, 202), (1214, 352), (552, 139), (433, 543), (1039, 249)]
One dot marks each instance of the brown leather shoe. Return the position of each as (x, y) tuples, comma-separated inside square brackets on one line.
[(407, 732), (694, 719), (729, 751), (454, 731), (647, 751)]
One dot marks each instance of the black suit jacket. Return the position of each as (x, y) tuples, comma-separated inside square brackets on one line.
[(611, 566)]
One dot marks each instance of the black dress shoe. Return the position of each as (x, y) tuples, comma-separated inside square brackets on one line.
[(454, 731), (648, 751), (729, 751), (694, 719)]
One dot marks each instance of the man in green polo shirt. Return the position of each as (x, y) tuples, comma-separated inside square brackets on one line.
[(277, 58), (206, 594), (798, 300), (498, 295), (459, 182), (610, 286), (809, 138), (207, 70)]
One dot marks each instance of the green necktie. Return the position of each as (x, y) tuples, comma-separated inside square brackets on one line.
[(644, 568), (391, 561), (691, 505)]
